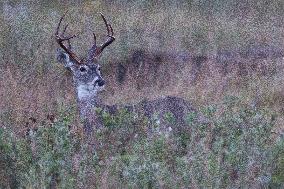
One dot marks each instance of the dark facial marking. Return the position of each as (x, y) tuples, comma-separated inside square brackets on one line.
[(83, 69)]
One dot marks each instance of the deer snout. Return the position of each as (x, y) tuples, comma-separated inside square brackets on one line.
[(100, 82)]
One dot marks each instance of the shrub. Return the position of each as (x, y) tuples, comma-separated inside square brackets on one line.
[(234, 148)]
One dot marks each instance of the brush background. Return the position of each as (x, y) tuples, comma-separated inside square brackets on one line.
[(196, 49), (207, 52)]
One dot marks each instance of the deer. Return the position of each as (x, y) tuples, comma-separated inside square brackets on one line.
[(86, 72), (88, 82)]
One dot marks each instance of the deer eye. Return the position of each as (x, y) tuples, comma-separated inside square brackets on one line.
[(83, 69)]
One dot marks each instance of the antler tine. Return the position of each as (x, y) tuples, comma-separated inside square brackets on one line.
[(58, 26), (95, 39), (64, 29), (111, 30), (61, 39), (95, 51), (107, 25), (69, 45), (110, 38)]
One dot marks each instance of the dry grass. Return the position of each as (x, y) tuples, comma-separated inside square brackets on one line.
[(173, 36), (200, 50)]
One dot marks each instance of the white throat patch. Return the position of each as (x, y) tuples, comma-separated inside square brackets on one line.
[(88, 90)]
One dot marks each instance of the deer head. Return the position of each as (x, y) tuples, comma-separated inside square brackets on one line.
[(86, 72)]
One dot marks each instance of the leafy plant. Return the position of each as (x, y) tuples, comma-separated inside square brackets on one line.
[(233, 148)]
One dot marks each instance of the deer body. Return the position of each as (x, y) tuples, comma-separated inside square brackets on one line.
[(88, 82)]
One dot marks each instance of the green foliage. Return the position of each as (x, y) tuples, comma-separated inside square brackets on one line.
[(278, 172), (169, 117), (44, 154), (233, 148)]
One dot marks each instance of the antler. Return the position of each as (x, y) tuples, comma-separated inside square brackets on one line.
[(95, 51), (60, 39)]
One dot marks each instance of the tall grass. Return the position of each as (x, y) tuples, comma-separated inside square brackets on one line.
[(236, 148), (31, 78)]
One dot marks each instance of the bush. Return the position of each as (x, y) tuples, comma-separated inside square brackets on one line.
[(234, 148)]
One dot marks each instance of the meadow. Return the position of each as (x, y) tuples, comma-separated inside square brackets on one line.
[(223, 56)]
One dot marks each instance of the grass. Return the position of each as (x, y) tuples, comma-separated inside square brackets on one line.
[(156, 27), (235, 149)]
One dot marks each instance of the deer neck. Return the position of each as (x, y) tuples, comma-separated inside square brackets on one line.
[(88, 102), (87, 106)]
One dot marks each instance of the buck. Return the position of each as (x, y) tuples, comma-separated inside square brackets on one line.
[(86, 72), (88, 81)]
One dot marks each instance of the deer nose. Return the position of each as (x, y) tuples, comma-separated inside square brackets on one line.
[(101, 82)]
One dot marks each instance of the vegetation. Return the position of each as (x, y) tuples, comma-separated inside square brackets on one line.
[(225, 56), (169, 28), (236, 148)]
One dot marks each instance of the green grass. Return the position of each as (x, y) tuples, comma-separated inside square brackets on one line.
[(191, 27), (235, 149)]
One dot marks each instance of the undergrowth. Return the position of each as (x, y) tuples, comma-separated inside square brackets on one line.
[(234, 148)]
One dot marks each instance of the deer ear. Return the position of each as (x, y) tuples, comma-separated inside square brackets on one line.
[(64, 58)]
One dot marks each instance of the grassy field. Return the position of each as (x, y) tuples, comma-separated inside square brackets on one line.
[(171, 30), (204, 51)]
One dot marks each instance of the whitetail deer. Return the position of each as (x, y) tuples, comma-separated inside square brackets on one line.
[(88, 81), (86, 72)]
